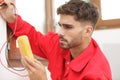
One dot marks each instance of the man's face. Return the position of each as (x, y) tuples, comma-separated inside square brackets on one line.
[(71, 32)]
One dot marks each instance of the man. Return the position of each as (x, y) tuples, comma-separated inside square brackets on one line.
[(72, 53)]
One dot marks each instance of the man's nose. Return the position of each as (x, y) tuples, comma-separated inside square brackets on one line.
[(61, 32)]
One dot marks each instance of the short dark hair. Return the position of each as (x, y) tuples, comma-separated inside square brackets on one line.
[(81, 10)]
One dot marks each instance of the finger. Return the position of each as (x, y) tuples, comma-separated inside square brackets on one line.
[(3, 5), (38, 62), (39, 65), (27, 64), (6, 5), (29, 61), (33, 65)]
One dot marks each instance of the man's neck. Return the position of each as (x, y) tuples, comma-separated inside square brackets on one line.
[(76, 51)]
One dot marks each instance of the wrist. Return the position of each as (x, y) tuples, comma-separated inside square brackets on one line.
[(11, 19)]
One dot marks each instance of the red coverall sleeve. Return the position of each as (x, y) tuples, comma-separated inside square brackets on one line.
[(39, 43)]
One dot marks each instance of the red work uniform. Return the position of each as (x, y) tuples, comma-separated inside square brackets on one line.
[(90, 65)]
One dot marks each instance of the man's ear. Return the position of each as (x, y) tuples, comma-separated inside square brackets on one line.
[(88, 30)]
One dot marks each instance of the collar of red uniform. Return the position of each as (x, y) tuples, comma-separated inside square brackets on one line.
[(81, 61)]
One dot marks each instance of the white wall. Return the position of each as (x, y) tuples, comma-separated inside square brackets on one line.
[(32, 11), (109, 40)]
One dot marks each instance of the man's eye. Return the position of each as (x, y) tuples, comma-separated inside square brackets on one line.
[(67, 26)]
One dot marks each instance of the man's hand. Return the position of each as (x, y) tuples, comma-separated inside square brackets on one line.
[(7, 11), (36, 69)]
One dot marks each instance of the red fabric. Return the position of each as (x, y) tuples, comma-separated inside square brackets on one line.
[(90, 65)]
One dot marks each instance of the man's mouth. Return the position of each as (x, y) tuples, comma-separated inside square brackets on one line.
[(63, 40)]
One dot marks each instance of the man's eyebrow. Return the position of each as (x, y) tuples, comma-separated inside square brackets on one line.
[(64, 24)]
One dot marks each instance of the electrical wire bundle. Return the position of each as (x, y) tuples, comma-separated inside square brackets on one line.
[(3, 4)]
